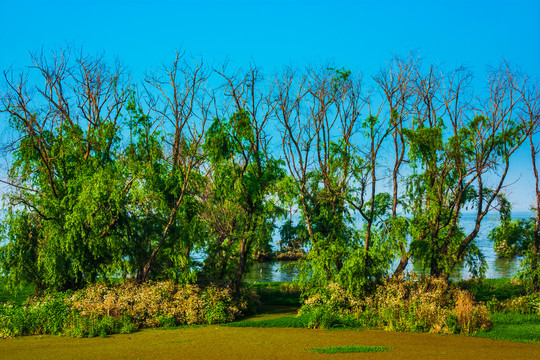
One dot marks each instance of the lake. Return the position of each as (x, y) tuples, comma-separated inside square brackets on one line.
[(497, 268)]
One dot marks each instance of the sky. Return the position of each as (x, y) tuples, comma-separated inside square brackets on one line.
[(358, 35)]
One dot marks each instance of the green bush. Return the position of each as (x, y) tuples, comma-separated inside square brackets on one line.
[(425, 305), (100, 310), (46, 316), (527, 304)]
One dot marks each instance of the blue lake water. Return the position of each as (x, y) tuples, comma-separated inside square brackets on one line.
[(497, 268)]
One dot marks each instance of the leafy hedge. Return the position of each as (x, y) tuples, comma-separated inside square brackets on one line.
[(426, 305), (99, 310)]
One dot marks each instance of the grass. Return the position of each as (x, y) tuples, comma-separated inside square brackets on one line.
[(282, 322), (514, 327), (349, 349)]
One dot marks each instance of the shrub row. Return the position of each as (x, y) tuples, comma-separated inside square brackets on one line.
[(426, 305), (99, 309)]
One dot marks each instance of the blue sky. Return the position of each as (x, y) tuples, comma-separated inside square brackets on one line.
[(359, 35)]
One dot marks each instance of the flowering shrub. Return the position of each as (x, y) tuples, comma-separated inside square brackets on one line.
[(99, 310), (413, 305), (150, 303)]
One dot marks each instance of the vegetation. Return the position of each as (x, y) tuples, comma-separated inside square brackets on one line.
[(514, 327), (99, 310), (168, 194), (349, 349)]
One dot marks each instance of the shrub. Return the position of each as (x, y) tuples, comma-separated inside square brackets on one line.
[(164, 303), (527, 304), (402, 305), (100, 310), (46, 315)]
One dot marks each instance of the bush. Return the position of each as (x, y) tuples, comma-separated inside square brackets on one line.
[(100, 310), (414, 305), (164, 303), (44, 316), (528, 304)]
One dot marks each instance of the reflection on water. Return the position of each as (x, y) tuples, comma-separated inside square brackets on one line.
[(497, 268), (272, 271)]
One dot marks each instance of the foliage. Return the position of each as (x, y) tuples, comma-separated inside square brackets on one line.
[(526, 304), (485, 290), (512, 237), (293, 237), (100, 310), (156, 185), (278, 293), (47, 316), (405, 305), (145, 303), (239, 209), (105, 183)]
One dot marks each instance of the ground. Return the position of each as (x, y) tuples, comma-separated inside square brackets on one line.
[(220, 342)]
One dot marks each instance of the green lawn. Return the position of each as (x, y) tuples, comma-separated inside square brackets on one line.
[(349, 349), (514, 327)]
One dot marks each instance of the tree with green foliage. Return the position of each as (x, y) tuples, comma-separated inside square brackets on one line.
[(171, 177), (452, 161), (530, 118), (239, 199), (512, 237), (397, 84), (334, 177), (67, 190)]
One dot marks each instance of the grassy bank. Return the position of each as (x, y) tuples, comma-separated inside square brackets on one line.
[(515, 316)]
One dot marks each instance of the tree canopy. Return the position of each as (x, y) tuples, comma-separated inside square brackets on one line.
[(188, 175)]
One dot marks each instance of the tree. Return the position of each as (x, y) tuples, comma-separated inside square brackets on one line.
[(67, 191), (333, 175), (182, 106), (397, 83), (530, 118), (451, 168), (242, 178)]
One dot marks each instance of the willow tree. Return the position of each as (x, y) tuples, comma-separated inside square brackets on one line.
[(169, 174), (397, 84), (66, 190), (461, 155), (334, 159), (530, 115), (239, 206)]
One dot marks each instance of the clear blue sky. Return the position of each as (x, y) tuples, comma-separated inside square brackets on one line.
[(360, 35)]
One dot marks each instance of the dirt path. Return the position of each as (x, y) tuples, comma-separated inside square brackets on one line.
[(217, 342)]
